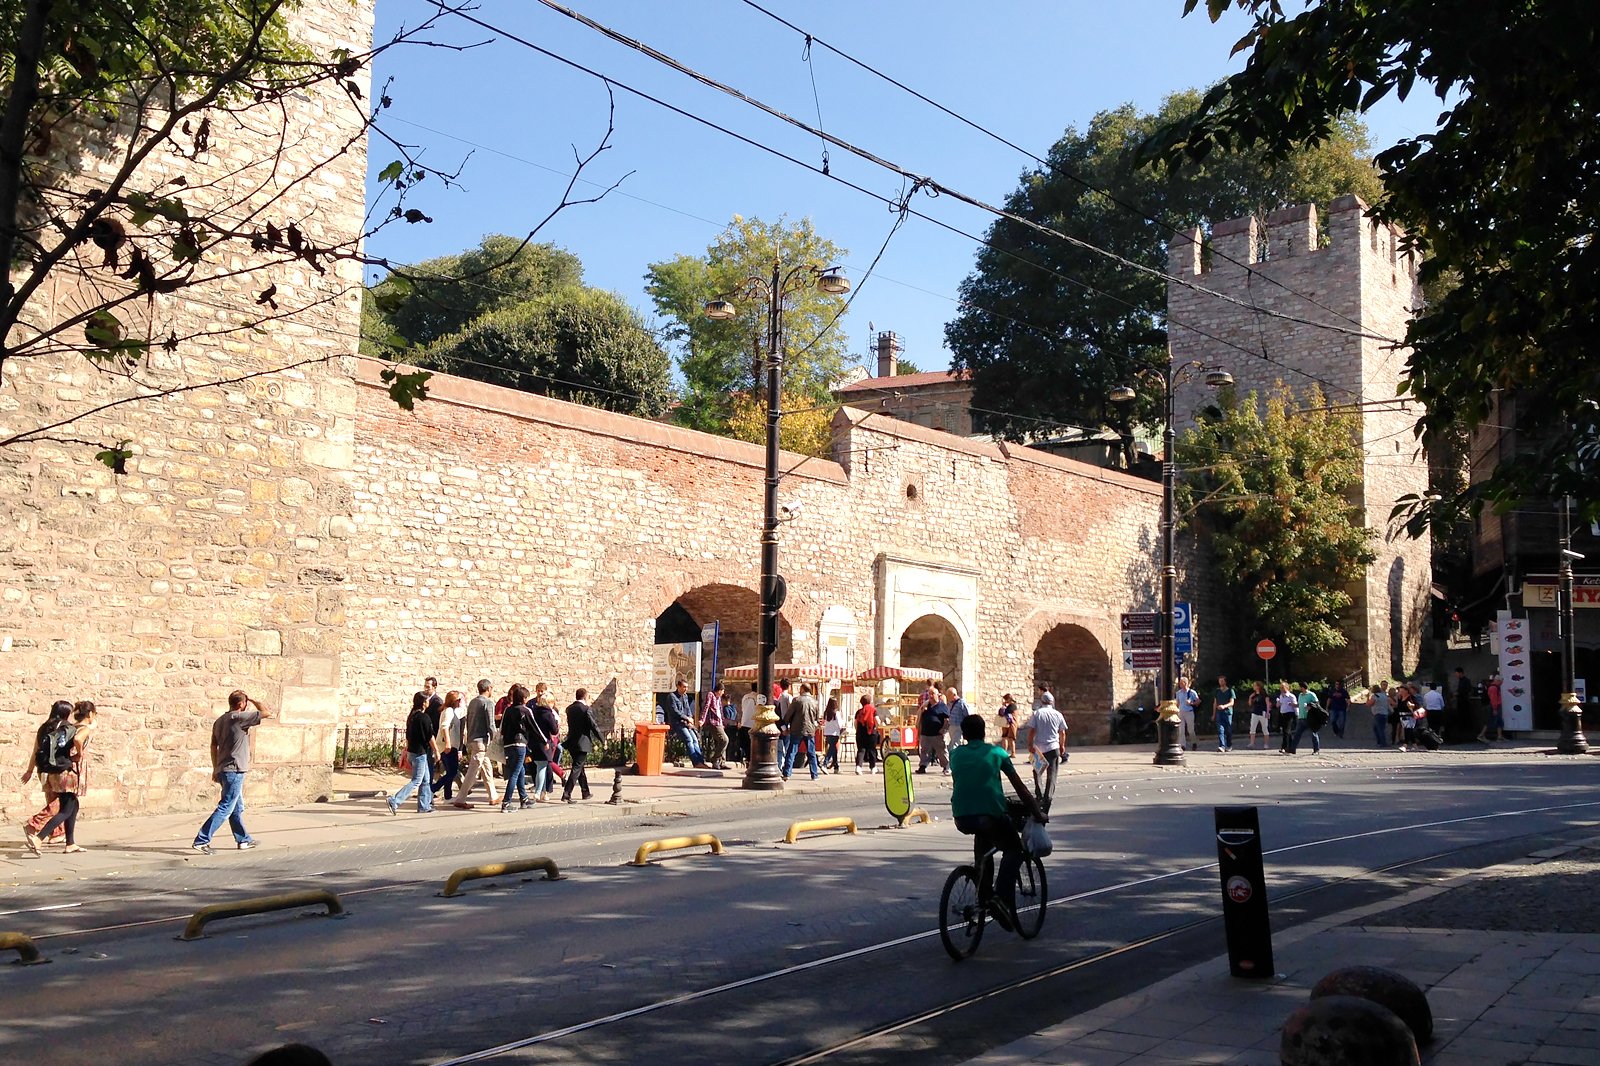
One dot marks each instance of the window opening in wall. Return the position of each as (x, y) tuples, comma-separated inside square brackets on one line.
[(911, 491)]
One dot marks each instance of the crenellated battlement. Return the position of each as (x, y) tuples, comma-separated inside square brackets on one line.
[(1347, 233)]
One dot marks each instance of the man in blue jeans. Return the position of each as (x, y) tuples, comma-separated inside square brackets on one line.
[(680, 717), (1223, 711), (230, 761)]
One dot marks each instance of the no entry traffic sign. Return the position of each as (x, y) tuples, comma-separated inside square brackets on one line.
[(1266, 649)]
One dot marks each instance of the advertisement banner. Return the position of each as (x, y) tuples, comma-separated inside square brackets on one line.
[(1516, 672), (672, 663)]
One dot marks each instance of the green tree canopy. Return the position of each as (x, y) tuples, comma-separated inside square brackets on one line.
[(721, 361), (1047, 327), (1268, 485), (584, 345), (432, 299), (1503, 197)]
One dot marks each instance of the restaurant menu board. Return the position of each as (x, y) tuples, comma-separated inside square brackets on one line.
[(1516, 673)]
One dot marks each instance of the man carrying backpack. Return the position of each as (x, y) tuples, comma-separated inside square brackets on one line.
[(230, 761)]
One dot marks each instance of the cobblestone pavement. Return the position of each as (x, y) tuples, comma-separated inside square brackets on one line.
[(1509, 958)]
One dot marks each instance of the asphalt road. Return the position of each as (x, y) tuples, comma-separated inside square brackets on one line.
[(770, 953)]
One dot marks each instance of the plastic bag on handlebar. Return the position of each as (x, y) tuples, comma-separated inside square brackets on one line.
[(1035, 839)]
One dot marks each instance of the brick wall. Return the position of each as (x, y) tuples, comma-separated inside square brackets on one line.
[(1349, 275), (217, 561), (540, 540)]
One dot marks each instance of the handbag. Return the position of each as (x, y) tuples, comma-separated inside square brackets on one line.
[(1035, 839), (405, 762)]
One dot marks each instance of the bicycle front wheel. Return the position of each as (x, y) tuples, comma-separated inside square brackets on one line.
[(1032, 894), (961, 913)]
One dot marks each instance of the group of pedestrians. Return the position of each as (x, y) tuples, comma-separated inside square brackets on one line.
[(60, 759), (521, 731)]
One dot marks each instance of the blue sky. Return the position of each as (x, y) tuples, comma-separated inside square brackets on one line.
[(1027, 71)]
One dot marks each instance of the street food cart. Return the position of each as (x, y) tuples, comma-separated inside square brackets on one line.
[(897, 691), (826, 679)]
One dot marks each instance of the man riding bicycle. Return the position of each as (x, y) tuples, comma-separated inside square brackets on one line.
[(978, 803)]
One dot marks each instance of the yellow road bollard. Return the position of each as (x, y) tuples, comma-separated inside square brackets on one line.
[(452, 887), (642, 856), (847, 824), (27, 954), (260, 905), (916, 814)]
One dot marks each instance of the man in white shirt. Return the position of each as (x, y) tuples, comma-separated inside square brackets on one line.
[(747, 722), (1046, 730), (1188, 700)]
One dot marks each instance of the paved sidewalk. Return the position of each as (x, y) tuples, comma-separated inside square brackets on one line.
[(356, 814), (1509, 958)]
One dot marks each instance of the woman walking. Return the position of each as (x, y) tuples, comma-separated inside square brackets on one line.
[(542, 750), (831, 728), (1008, 724), (70, 783), (58, 718), (867, 735), (517, 731)]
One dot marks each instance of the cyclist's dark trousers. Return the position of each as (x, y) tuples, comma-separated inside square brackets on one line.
[(989, 831)]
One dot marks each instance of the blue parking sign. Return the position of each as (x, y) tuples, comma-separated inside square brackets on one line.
[(1182, 630)]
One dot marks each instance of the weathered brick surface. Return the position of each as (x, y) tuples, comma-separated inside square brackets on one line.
[(1358, 282), (540, 540), (216, 561)]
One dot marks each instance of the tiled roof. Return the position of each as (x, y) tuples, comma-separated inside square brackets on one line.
[(908, 381)]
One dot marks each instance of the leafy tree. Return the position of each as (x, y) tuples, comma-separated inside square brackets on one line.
[(808, 430), (1270, 487), (113, 186), (584, 345), (1048, 328), (441, 296), (1501, 198), (125, 202), (722, 361)]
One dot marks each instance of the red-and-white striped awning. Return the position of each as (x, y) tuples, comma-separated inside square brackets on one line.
[(794, 671), (899, 673)]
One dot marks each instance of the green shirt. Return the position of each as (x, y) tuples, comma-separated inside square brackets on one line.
[(1307, 700), (975, 771)]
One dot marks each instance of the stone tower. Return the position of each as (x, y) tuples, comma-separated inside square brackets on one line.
[(1345, 288)]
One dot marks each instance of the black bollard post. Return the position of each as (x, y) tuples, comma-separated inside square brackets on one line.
[(616, 789), (1244, 892)]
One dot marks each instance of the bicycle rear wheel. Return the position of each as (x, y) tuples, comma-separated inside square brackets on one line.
[(1032, 894), (961, 913)]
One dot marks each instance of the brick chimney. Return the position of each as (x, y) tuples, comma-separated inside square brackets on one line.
[(888, 354)]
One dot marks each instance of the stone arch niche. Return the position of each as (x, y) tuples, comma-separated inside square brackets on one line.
[(927, 615), (931, 643), (736, 609), (1079, 671)]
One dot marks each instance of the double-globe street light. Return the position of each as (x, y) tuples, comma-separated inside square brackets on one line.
[(761, 767), (1169, 747)]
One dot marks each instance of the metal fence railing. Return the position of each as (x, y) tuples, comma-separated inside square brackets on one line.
[(367, 746)]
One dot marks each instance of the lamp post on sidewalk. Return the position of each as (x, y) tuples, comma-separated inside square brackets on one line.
[(1572, 740), (1169, 743), (761, 768)]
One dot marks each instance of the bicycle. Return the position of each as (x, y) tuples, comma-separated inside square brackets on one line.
[(968, 902)]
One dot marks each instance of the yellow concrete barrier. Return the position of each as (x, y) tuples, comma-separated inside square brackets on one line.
[(260, 905), (916, 814), (847, 824), (27, 954), (649, 847), (452, 887)]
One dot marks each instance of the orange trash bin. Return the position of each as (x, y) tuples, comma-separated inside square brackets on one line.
[(650, 747)]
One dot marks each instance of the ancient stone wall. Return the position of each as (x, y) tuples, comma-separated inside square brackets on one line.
[(1313, 306), (217, 561), (514, 537)]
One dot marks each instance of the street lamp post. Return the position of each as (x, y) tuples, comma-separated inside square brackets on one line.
[(1571, 741), (1169, 742), (761, 767)]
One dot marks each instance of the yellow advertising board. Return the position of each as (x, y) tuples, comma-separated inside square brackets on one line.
[(898, 793)]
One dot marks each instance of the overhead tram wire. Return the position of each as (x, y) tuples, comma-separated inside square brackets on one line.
[(932, 183), (1055, 168), (760, 146)]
